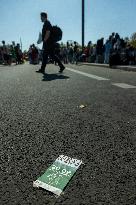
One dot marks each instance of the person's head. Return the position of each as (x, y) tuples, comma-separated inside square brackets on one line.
[(89, 44), (3, 42), (113, 34), (43, 16), (13, 43), (18, 45), (117, 36)]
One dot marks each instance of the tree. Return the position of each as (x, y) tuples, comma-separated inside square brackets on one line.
[(126, 39), (133, 40), (133, 37)]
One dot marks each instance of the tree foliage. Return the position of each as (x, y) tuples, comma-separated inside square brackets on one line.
[(133, 40)]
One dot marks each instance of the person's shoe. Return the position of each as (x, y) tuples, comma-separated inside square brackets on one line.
[(61, 69), (40, 71)]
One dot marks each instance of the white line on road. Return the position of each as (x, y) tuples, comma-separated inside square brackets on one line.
[(123, 85), (87, 74)]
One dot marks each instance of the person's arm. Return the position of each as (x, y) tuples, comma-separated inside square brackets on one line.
[(47, 35)]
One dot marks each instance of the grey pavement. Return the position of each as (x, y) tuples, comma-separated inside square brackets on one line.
[(40, 119), (121, 67)]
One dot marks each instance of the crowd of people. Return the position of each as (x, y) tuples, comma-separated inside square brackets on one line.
[(11, 53), (34, 54), (114, 51), (67, 54)]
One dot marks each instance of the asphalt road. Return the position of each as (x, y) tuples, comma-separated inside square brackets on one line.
[(40, 119)]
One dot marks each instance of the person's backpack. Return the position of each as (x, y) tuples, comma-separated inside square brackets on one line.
[(56, 33)]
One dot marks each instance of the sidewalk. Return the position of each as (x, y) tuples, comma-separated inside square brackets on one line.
[(121, 67)]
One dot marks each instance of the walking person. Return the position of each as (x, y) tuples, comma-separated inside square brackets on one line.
[(18, 54), (108, 48), (30, 54), (75, 52), (65, 55), (6, 54), (70, 54), (48, 45), (34, 54)]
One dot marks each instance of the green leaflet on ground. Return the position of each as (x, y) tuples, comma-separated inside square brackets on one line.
[(58, 174)]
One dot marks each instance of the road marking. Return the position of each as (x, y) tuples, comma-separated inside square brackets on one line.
[(123, 85), (87, 74)]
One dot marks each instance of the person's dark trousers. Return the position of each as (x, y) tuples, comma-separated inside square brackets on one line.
[(48, 50)]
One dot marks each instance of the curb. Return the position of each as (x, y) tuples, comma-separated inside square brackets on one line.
[(126, 68)]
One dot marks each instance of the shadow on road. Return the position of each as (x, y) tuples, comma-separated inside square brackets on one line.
[(49, 77)]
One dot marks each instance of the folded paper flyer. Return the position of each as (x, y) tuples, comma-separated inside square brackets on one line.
[(58, 174)]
